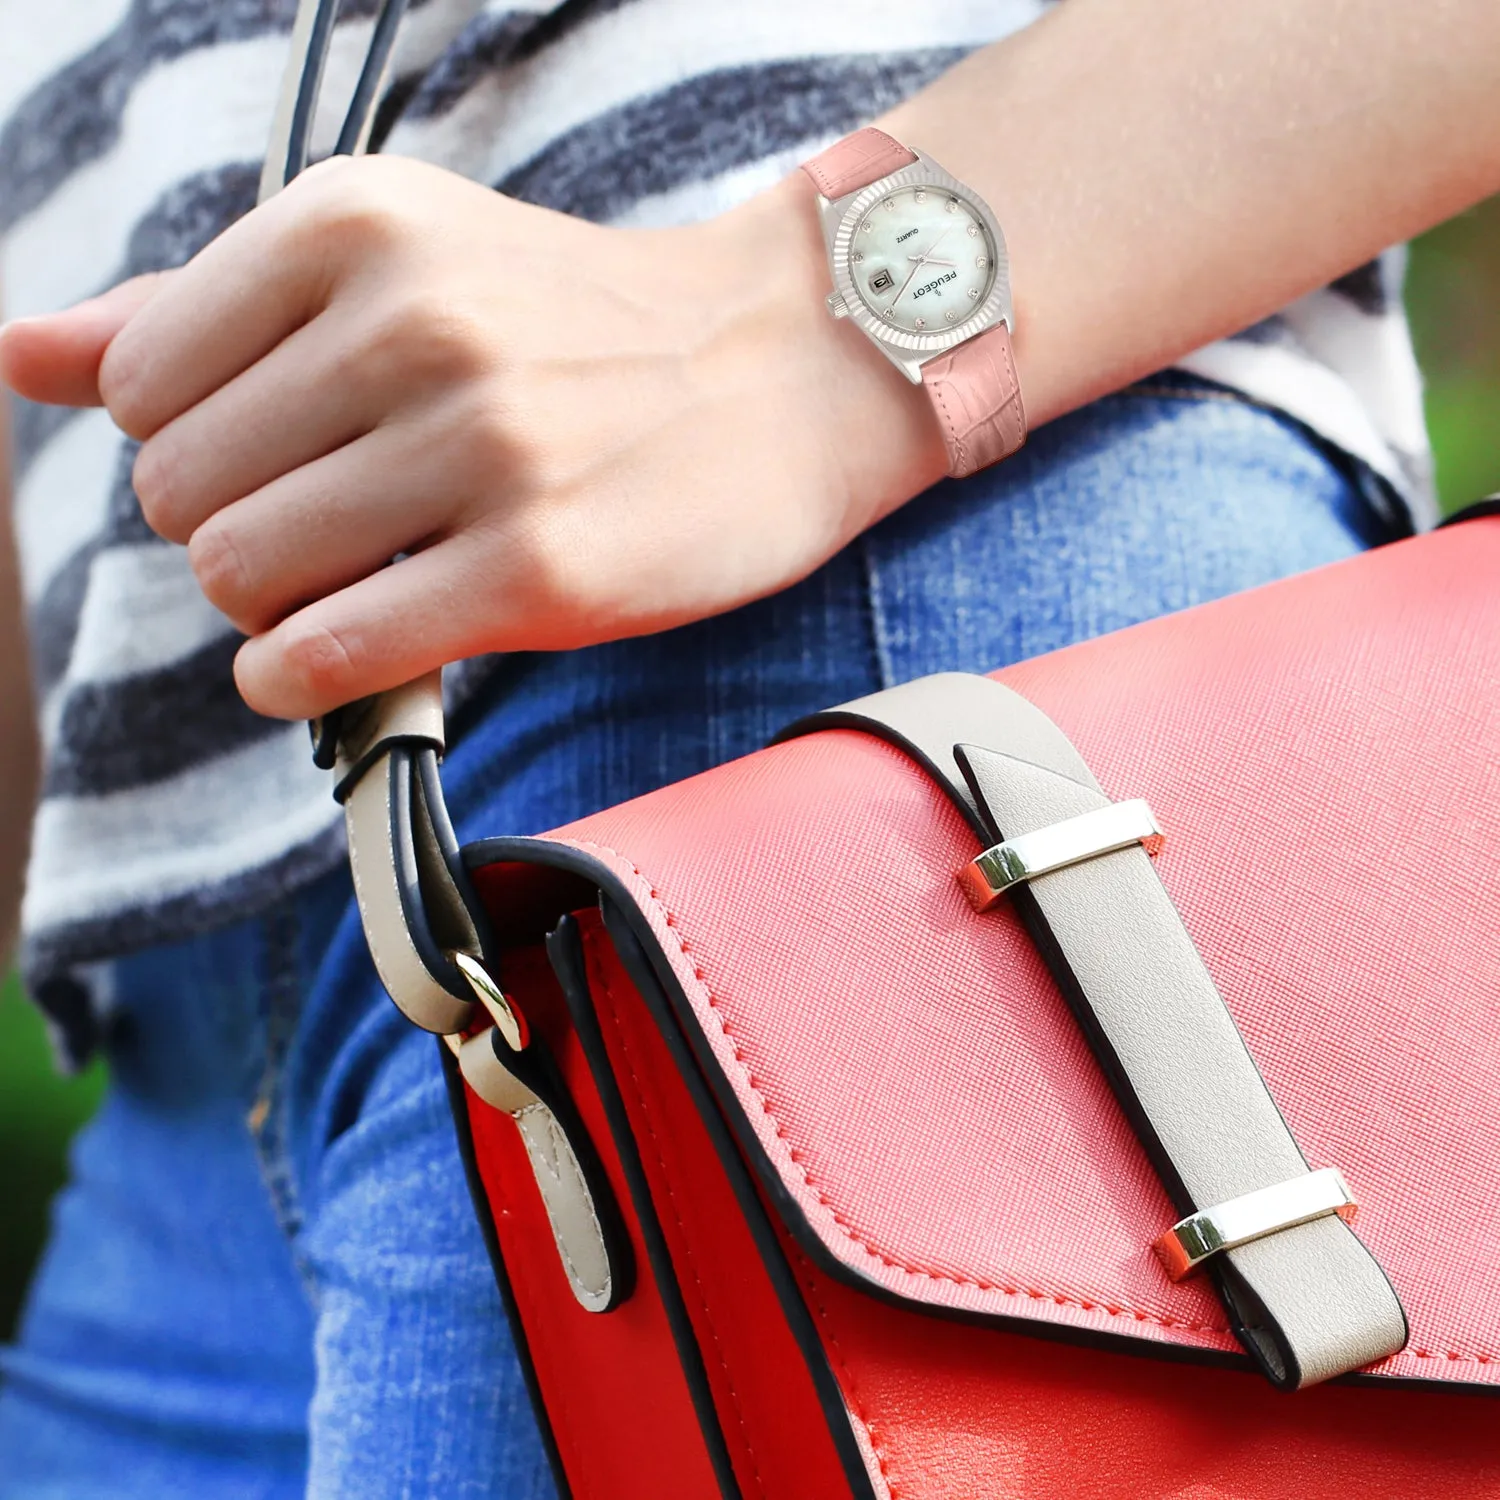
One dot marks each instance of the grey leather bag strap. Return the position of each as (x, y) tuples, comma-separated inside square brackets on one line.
[(1308, 1301)]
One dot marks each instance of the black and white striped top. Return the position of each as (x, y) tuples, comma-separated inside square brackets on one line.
[(132, 134)]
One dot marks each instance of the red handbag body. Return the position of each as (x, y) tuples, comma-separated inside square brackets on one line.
[(891, 1228)]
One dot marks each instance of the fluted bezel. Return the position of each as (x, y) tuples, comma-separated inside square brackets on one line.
[(911, 349)]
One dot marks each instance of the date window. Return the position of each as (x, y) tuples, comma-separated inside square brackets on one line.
[(882, 281)]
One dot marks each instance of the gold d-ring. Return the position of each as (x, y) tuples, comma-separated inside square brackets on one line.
[(493, 998)]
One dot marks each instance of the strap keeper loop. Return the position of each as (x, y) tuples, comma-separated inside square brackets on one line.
[(1105, 831), (1252, 1216)]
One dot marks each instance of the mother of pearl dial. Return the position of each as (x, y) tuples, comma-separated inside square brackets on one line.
[(922, 260)]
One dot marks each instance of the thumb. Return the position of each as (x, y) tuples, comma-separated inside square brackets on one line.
[(55, 358)]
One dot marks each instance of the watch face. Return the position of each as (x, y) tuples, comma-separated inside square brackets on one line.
[(921, 259)]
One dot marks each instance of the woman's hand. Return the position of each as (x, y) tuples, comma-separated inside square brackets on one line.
[(572, 433)]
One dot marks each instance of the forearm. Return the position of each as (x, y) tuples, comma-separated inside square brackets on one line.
[(1170, 171), (18, 744), (686, 430)]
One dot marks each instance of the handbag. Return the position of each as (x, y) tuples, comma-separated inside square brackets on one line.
[(1083, 1080), (805, 1176)]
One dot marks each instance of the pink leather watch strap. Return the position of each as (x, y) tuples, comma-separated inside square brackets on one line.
[(856, 162), (977, 398), (973, 388)]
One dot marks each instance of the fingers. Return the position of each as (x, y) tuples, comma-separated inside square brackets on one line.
[(323, 526), (307, 398), (233, 303), (55, 358), (405, 620)]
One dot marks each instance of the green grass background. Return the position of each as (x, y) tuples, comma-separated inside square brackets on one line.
[(1454, 295)]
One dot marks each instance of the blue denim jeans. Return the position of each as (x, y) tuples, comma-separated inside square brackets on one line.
[(265, 1279)]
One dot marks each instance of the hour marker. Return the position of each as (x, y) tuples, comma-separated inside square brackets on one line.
[(868, 224), (920, 195), (980, 261), (858, 256), (887, 312), (951, 316), (889, 203), (920, 322), (973, 294), (952, 205), (973, 228)]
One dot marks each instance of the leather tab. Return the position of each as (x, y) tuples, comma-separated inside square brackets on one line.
[(411, 714), (1308, 1302)]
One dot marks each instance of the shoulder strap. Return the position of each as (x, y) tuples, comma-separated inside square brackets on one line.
[(416, 904)]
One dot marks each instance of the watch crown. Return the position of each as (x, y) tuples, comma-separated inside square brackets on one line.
[(837, 306)]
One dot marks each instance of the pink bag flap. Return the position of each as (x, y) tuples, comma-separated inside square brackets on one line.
[(1324, 757)]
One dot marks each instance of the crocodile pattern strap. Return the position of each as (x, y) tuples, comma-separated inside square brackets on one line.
[(857, 161), (977, 398), (973, 388)]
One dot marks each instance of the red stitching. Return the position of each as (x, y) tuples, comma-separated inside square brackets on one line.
[(601, 973), (870, 1249), (851, 1390), (1482, 1357)]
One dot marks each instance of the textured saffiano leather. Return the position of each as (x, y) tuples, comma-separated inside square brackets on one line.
[(910, 1071), (1310, 1302), (923, 1115)]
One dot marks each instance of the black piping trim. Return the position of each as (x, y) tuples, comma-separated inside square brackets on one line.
[(546, 852), (308, 89), (458, 1107), (843, 718), (565, 953), (1480, 510), (350, 777), (402, 787), (427, 783), (696, 1066), (371, 77)]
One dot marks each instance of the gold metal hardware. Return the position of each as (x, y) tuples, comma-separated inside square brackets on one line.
[(480, 1060), (493, 998), (1107, 830), (1193, 1240)]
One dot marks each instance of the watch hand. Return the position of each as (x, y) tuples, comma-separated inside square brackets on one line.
[(932, 260), (921, 260)]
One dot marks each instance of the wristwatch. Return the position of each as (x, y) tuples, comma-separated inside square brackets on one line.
[(919, 266)]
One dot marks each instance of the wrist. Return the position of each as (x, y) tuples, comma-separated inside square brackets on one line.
[(881, 439)]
